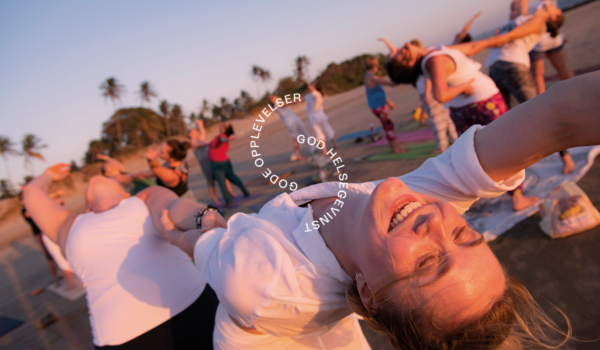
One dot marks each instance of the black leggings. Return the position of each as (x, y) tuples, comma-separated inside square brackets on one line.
[(190, 329), (222, 171)]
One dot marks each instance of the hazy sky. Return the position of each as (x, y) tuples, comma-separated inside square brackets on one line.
[(55, 54)]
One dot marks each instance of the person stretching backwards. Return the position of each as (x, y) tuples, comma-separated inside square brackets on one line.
[(142, 293)]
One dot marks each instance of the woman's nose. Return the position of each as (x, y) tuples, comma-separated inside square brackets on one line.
[(431, 224)]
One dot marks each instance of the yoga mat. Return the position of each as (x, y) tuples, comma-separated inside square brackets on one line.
[(493, 216), (72, 294), (237, 201), (362, 133), (8, 324), (410, 136), (416, 150)]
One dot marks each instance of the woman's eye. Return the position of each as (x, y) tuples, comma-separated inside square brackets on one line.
[(427, 261), (460, 233)]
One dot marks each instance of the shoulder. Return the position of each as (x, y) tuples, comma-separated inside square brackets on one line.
[(251, 260)]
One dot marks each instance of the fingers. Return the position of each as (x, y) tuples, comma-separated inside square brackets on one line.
[(165, 219)]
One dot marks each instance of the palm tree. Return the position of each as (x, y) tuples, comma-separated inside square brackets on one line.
[(177, 118), (256, 76), (146, 92), (301, 71), (113, 90), (205, 108), (164, 109), (31, 146), (7, 148), (265, 76)]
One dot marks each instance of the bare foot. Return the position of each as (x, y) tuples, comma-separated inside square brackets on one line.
[(521, 202), (398, 149), (569, 165)]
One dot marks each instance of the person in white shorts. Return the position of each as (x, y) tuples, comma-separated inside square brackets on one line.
[(142, 292), (292, 123), (317, 118), (396, 251)]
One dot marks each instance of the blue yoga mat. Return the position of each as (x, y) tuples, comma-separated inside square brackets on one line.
[(353, 135), (8, 324)]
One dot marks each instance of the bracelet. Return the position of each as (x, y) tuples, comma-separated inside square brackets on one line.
[(201, 213)]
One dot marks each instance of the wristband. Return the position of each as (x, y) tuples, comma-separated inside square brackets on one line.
[(201, 213)]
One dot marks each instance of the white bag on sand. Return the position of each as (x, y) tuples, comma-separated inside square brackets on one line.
[(567, 210)]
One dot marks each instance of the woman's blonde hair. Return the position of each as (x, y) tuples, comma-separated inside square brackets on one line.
[(515, 321)]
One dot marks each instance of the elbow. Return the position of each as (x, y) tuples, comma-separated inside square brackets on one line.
[(441, 97)]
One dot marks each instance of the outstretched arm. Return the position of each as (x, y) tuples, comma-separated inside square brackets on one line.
[(463, 33), (565, 116), (531, 26), (169, 176), (391, 47), (47, 214), (181, 212)]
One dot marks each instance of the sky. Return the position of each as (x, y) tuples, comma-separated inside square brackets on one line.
[(55, 54)]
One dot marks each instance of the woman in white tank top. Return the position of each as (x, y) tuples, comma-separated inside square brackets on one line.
[(140, 289), (471, 96)]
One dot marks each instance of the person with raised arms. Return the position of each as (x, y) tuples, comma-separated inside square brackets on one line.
[(142, 292), (398, 252)]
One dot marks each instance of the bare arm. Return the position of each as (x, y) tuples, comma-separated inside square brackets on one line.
[(439, 68), (533, 25), (169, 176), (391, 47), (47, 214), (374, 80), (175, 217), (565, 116), (464, 31)]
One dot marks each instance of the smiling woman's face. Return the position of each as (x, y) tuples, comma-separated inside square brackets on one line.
[(462, 278)]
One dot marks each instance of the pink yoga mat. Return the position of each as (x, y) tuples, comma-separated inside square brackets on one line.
[(410, 136)]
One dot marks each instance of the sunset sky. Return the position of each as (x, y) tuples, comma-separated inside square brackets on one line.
[(55, 54)]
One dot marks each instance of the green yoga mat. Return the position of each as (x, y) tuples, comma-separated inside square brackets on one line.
[(415, 151)]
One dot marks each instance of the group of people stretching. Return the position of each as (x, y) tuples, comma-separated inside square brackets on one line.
[(398, 253), (453, 90), (173, 173)]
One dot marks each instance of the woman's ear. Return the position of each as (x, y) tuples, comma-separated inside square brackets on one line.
[(364, 290)]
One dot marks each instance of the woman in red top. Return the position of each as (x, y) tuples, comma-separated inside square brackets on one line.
[(220, 164)]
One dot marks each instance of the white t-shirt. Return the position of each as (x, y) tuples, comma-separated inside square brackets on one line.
[(57, 255), (314, 107), (271, 274), (516, 51), (466, 69), (134, 279), (546, 41)]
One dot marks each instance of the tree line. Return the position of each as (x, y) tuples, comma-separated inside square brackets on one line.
[(129, 129)]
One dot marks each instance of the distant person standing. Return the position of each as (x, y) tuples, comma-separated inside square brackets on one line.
[(173, 174), (221, 165), (200, 148), (378, 102), (292, 123), (317, 118)]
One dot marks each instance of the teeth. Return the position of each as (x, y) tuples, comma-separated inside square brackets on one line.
[(408, 208)]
